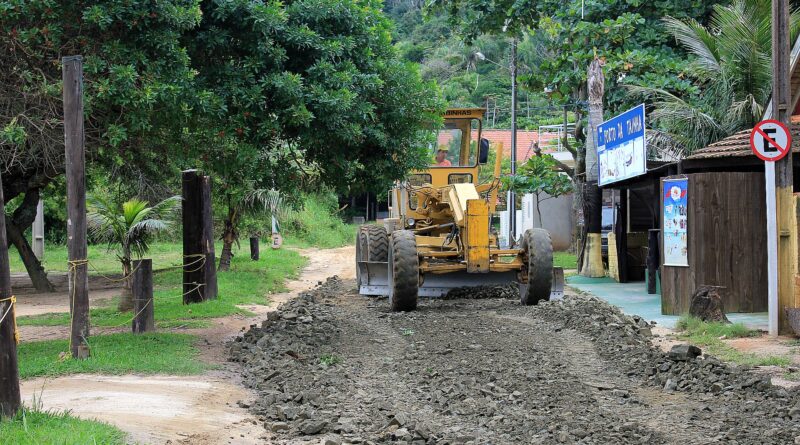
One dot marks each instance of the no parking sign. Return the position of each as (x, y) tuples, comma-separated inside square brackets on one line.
[(770, 140)]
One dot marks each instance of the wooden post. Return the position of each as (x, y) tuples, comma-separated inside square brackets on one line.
[(622, 235), (9, 373), (254, 248), (210, 291), (144, 319), (653, 258), (72, 73), (193, 265), (781, 109)]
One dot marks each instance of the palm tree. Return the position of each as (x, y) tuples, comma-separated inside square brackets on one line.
[(128, 227), (732, 67), (254, 201)]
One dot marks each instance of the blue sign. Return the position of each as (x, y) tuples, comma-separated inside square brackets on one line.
[(621, 148)]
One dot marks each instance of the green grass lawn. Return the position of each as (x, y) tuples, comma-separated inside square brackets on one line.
[(248, 282), (565, 259), (707, 336), (34, 427), (158, 353)]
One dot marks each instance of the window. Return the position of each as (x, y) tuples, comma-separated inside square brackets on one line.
[(459, 178), (454, 146)]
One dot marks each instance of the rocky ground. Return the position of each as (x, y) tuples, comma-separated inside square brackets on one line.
[(333, 367)]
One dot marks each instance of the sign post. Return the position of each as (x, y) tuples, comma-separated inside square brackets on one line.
[(770, 140)]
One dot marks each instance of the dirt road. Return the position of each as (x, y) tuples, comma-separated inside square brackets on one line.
[(196, 410), (338, 366)]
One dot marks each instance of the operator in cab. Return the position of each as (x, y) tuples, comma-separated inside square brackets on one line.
[(441, 160)]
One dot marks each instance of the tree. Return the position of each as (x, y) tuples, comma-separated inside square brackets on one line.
[(541, 176), (731, 66), (128, 227), (137, 86), (308, 93)]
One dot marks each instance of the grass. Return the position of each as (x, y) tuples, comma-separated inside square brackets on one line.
[(35, 427), (159, 353), (248, 282), (707, 335), (565, 259), (164, 254), (317, 224), (329, 360)]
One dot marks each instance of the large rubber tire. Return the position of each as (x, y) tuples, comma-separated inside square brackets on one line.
[(403, 271), (537, 252), (372, 243)]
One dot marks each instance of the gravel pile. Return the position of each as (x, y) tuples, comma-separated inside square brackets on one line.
[(331, 367)]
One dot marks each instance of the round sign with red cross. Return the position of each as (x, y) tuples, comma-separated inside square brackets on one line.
[(770, 140)]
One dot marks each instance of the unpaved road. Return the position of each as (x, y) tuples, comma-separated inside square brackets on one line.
[(334, 367), (202, 409)]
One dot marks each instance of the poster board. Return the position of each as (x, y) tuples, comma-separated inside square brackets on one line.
[(621, 147), (674, 214)]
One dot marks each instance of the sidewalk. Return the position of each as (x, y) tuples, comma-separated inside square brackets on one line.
[(633, 299)]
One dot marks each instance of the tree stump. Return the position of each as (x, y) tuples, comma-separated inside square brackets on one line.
[(707, 305)]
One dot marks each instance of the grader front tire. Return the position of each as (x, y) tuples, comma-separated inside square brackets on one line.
[(372, 243), (537, 251), (403, 271)]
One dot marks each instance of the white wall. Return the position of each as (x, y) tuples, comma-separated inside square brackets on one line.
[(556, 215)]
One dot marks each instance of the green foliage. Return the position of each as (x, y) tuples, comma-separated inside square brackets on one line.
[(317, 223), (328, 360), (732, 65), (689, 325), (129, 226), (161, 353), (560, 39), (308, 92), (539, 174), (36, 427)]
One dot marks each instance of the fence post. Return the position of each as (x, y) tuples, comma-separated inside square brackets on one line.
[(254, 254), (144, 320), (193, 265), (9, 372), (72, 73)]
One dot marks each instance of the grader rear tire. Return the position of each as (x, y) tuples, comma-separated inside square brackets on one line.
[(403, 271), (537, 250), (372, 243)]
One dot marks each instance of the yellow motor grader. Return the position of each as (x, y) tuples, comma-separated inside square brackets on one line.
[(439, 235)]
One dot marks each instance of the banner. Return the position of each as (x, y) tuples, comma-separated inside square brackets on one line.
[(621, 148), (675, 212)]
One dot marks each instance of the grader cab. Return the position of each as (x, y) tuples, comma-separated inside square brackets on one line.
[(439, 234)]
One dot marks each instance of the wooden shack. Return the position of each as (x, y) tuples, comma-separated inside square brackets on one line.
[(725, 227)]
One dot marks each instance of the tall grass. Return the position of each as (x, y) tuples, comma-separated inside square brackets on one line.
[(318, 224)]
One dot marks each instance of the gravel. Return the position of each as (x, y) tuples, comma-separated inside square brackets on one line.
[(333, 367)]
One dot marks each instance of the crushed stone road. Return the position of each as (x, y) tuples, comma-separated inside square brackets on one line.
[(333, 367)]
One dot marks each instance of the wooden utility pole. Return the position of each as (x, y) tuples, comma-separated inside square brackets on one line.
[(144, 319), (781, 111), (72, 73), (9, 373)]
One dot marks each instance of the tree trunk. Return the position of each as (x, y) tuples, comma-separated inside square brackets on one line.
[(23, 217), (126, 298), (592, 264), (229, 236)]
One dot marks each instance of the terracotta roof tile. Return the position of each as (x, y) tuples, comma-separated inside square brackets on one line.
[(737, 145)]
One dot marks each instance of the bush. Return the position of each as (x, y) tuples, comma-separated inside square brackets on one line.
[(317, 223)]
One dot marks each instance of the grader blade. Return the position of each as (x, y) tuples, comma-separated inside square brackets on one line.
[(438, 285), (556, 288), (373, 278)]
